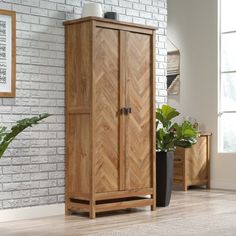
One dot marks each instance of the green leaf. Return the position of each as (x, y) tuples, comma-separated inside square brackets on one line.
[(159, 116), (169, 134), (6, 137), (183, 143), (169, 112)]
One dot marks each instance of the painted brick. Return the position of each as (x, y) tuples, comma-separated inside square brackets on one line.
[(60, 166), (74, 2), (5, 195), (5, 178), (58, 1), (20, 161), (30, 202), (111, 2), (11, 169), (30, 19), (139, 20), (125, 4), (48, 167), (152, 9), (57, 190), (39, 159), (6, 6), (39, 11), (131, 12), (61, 198), (162, 11), (21, 194), (144, 14), (48, 5), (32, 170), (147, 2), (20, 186), (34, 3), (138, 6), (39, 176), (48, 183), (119, 10), (39, 192), (12, 203), (21, 9), (56, 175), (20, 177), (48, 200)]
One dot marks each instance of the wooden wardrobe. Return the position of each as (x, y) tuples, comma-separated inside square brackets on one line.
[(110, 115)]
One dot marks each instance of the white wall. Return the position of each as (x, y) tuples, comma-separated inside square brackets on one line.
[(192, 26)]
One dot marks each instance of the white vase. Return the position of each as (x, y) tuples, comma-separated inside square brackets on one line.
[(92, 9)]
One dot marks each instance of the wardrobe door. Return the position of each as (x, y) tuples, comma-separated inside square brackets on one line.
[(106, 105), (138, 98)]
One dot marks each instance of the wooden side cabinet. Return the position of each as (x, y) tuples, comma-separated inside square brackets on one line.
[(192, 165), (110, 115)]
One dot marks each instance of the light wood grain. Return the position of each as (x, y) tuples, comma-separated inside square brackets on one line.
[(123, 205), (92, 212), (105, 62), (78, 110), (192, 165), (153, 118), (78, 71), (79, 153), (139, 150), (122, 104), (106, 102), (208, 153), (127, 193), (186, 208), (110, 22)]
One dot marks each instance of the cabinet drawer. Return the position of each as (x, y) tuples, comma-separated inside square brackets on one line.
[(178, 159), (178, 180), (178, 171)]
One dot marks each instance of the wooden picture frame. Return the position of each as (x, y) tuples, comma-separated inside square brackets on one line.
[(7, 53)]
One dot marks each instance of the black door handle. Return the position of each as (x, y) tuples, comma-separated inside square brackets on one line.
[(125, 110), (129, 110)]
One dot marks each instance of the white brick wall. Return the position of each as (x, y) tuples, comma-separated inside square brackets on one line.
[(32, 169)]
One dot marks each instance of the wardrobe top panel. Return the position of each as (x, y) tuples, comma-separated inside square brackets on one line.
[(109, 21)]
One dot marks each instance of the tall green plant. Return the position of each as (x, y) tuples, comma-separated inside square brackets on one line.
[(6, 136), (169, 134)]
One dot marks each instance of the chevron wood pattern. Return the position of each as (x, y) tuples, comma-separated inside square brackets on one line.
[(106, 105), (109, 154), (197, 160), (138, 143), (191, 165)]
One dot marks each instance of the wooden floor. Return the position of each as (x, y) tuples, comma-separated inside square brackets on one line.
[(186, 209)]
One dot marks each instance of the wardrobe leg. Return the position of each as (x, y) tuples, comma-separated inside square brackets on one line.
[(154, 205), (92, 212)]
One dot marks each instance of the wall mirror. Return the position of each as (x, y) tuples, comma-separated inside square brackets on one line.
[(173, 69)]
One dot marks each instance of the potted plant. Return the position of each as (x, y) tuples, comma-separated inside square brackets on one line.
[(169, 134), (6, 136)]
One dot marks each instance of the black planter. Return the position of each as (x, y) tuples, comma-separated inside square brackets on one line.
[(164, 177)]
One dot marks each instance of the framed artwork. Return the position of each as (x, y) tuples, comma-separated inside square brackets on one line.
[(7, 53)]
